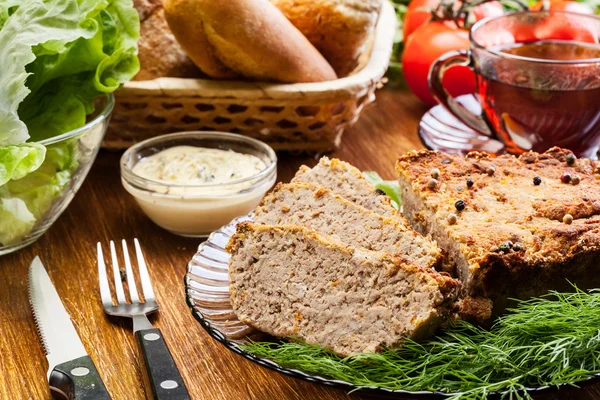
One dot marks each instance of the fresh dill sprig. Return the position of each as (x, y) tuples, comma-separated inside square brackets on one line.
[(544, 341)]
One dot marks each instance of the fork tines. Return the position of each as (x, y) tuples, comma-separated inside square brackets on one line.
[(146, 284)]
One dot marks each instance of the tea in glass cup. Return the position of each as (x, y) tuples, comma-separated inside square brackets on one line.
[(538, 81)]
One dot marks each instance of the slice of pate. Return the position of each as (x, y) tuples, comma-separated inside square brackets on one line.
[(291, 281)]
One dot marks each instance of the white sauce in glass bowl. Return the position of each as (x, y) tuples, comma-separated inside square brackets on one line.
[(193, 190), (188, 165)]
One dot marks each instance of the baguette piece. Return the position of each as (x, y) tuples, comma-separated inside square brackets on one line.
[(317, 208), (505, 205), (340, 29), (347, 181), (245, 38), (290, 281)]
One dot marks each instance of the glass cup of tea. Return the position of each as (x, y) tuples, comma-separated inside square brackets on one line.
[(538, 81)]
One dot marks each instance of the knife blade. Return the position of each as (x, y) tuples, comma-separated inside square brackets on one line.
[(71, 372)]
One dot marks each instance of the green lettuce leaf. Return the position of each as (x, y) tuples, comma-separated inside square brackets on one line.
[(57, 57), (391, 188), (19, 160), (15, 219), (65, 83), (25, 201), (34, 22), (39, 188)]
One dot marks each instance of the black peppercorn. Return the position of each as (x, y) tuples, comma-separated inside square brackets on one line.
[(565, 178), (470, 183), (537, 181), (571, 159), (379, 192), (460, 205), (517, 247)]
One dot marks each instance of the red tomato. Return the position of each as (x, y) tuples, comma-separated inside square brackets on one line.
[(491, 9), (562, 5), (419, 12), (423, 47), (562, 26)]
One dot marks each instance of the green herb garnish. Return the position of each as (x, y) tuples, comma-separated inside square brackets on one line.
[(391, 188), (545, 341)]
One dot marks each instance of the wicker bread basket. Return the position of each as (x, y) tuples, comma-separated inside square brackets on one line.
[(308, 116)]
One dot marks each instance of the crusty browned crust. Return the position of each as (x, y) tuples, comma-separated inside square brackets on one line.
[(339, 29), (159, 53), (348, 181), (193, 38), (507, 206), (246, 38), (145, 8), (474, 309)]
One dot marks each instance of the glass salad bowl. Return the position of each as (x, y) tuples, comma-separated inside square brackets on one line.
[(30, 205)]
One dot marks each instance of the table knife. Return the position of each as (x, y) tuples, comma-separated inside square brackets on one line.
[(72, 374)]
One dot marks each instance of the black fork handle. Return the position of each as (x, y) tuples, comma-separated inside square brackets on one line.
[(162, 373)]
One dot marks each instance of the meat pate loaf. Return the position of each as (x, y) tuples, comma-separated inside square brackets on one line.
[(515, 227), (347, 181), (291, 281), (312, 206)]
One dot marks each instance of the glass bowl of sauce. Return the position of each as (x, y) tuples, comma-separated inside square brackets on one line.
[(193, 183)]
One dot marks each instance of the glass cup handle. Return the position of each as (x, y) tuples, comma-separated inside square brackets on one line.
[(436, 75)]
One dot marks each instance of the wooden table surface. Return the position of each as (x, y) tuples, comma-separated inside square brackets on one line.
[(101, 211)]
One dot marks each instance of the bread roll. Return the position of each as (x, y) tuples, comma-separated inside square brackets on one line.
[(245, 38), (339, 29), (159, 53)]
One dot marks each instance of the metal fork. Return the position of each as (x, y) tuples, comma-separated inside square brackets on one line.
[(162, 373)]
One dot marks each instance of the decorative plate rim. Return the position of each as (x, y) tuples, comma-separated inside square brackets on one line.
[(330, 382), (438, 114)]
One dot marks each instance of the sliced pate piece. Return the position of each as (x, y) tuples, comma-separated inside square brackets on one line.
[(307, 204), (291, 281), (347, 181)]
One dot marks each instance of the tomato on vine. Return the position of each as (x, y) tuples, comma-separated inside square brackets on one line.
[(423, 47), (434, 27), (420, 12)]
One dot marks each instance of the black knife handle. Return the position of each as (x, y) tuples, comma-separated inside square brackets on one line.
[(163, 375), (77, 380)]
